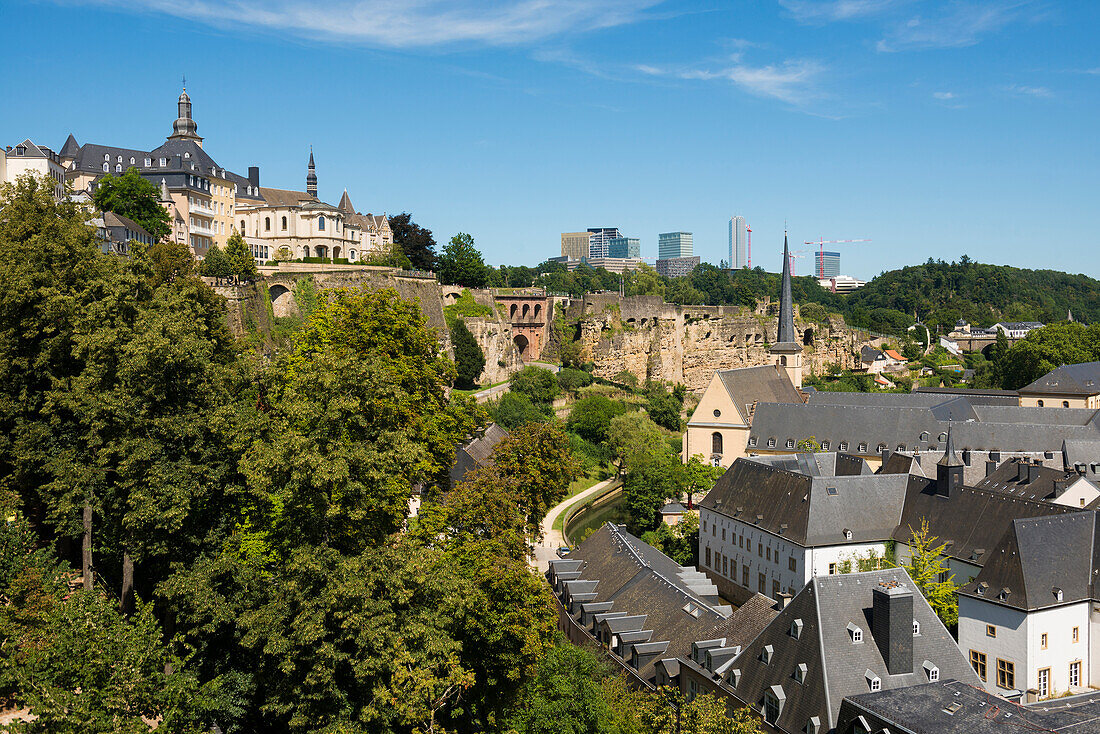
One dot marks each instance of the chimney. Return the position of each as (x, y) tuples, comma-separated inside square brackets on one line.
[(1033, 470), (1022, 470), (885, 456), (254, 176), (892, 625), (990, 467), (783, 600)]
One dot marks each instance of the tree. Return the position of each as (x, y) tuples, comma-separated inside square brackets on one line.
[(216, 264), (630, 436), (537, 461), (591, 417), (514, 409), (669, 712), (656, 477), (357, 416), (132, 196), (572, 380), (680, 542), (626, 377), (926, 566), (469, 359), (461, 263), (536, 383), (416, 243), (1045, 349), (241, 263), (663, 407)]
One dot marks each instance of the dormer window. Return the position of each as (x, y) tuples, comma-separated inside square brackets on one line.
[(863, 448), (874, 683), (799, 673), (847, 534), (734, 677), (824, 445), (148, 162), (931, 671), (916, 628), (795, 630), (813, 726), (186, 155), (790, 443), (880, 448), (1057, 594), (771, 443), (752, 441), (106, 156), (120, 159), (856, 633), (766, 654), (843, 445), (132, 161)]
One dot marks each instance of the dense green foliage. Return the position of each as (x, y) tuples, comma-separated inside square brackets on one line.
[(460, 263), (571, 380), (215, 264), (591, 417), (1043, 350), (133, 197), (536, 383), (466, 306), (415, 243), (241, 263), (469, 359), (679, 542), (515, 408)]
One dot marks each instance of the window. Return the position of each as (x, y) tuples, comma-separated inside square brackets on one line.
[(725, 569), (768, 553), (775, 589), (832, 569), (267, 224), (990, 631), (741, 541), (824, 445), (106, 167), (873, 681), (717, 413), (242, 226), (771, 443), (120, 159), (1006, 674), (831, 491), (1065, 403), (790, 443), (164, 161), (1075, 674), (708, 556), (321, 222), (792, 564), (766, 654), (1044, 682), (795, 630), (118, 168), (284, 229), (762, 584), (1076, 634), (132, 161), (1043, 641), (843, 445), (932, 671), (881, 447), (716, 443), (745, 576), (771, 707), (916, 628), (752, 441), (977, 662), (760, 550), (856, 632), (148, 162), (106, 156)]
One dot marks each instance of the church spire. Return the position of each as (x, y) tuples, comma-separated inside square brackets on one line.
[(185, 128), (786, 307), (949, 469), (311, 176)]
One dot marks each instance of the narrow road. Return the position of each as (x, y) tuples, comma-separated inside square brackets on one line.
[(552, 539)]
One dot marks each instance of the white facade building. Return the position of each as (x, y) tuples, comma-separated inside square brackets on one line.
[(27, 157), (739, 243)]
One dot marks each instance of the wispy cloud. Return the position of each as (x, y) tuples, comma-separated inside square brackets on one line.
[(944, 96), (1022, 90), (808, 11), (793, 81), (405, 23), (957, 25)]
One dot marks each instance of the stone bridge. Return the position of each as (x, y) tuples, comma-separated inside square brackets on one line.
[(527, 313)]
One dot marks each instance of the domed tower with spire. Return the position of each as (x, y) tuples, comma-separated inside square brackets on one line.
[(311, 176), (949, 469), (786, 349), (185, 128)]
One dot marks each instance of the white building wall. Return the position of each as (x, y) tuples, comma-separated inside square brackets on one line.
[(1058, 624), (1010, 643), (822, 557)]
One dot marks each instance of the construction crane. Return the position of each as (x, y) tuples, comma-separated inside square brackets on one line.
[(821, 252), (797, 253), (749, 230)]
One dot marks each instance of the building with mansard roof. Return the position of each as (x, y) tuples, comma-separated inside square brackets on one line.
[(29, 157)]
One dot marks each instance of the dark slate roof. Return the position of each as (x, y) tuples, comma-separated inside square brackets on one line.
[(632, 578), (919, 421), (31, 150), (869, 354), (809, 509), (1005, 397), (345, 204), (286, 197), (1038, 556), (765, 384), (786, 339), (70, 148), (1070, 379), (836, 665), (970, 520), (955, 707), (111, 219), (1039, 482), (476, 452)]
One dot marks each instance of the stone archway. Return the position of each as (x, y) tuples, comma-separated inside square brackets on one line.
[(808, 338), (521, 344), (282, 301)]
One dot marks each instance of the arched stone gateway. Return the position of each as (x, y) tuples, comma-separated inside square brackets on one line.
[(282, 301), (521, 344), (808, 338)]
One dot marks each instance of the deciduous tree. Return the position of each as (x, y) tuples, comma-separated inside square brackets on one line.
[(133, 197), (460, 263), (469, 359), (416, 243)]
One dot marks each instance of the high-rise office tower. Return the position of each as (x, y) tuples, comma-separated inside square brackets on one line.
[(574, 245), (601, 238), (739, 239), (827, 264), (674, 244), (624, 247)]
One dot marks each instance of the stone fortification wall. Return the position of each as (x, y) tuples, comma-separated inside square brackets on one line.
[(661, 341)]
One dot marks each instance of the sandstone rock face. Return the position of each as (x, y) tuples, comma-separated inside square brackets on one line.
[(686, 344)]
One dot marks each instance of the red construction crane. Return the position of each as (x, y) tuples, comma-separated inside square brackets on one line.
[(821, 252), (794, 254), (749, 230)]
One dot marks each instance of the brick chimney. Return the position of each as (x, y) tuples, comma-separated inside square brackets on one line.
[(892, 625)]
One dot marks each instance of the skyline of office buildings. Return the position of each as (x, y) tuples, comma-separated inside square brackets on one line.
[(601, 239), (826, 264), (574, 245), (739, 238), (674, 244), (624, 247)]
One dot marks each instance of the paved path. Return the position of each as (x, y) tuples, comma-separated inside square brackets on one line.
[(552, 539)]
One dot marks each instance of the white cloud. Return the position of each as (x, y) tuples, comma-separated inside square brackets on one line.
[(961, 24), (793, 81), (944, 95), (809, 11), (1023, 90), (405, 23)]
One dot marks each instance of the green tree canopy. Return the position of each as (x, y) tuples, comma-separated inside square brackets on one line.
[(1045, 349), (514, 409), (216, 264), (416, 243), (469, 359), (538, 384), (241, 263), (133, 197), (461, 263), (591, 417)]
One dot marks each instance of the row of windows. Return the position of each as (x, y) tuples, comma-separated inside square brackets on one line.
[(1065, 403), (842, 446)]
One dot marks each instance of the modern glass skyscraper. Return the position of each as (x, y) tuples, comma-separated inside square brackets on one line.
[(739, 239), (827, 264), (674, 244), (601, 238), (624, 247)]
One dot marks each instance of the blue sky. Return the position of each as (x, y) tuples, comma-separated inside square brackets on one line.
[(933, 128)]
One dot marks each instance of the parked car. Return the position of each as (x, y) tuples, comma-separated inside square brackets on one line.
[(564, 551)]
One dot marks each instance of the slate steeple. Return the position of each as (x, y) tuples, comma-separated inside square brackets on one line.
[(185, 128), (311, 176), (786, 348), (949, 469)]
